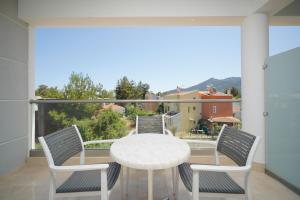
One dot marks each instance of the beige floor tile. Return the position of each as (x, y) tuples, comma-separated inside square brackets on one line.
[(31, 183)]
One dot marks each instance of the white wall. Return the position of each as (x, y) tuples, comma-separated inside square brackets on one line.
[(13, 88)]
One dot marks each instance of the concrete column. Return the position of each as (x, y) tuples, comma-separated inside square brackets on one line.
[(255, 50)]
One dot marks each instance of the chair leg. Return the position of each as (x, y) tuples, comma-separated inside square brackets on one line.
[(51, 191), (176, 183), (104, 189), (248, 187), (248, 195), (195, 189)]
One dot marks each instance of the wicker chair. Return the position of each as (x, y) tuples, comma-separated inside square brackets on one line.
[(214, 180), (85, 180)]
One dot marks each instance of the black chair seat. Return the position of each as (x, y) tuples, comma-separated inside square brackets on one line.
[(88, 181), (209, 182)]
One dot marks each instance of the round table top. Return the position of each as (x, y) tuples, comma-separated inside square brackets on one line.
[(150, 151)]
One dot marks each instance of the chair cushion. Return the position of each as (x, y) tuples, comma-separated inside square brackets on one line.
[(210, 182), (87, 181)]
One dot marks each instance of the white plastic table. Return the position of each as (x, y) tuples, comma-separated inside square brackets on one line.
[(150, 152)]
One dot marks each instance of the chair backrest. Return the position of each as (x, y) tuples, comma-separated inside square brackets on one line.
[(62, 145), (237, 145), (150, 124)]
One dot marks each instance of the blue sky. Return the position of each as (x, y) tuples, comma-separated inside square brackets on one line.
[(164, 57)]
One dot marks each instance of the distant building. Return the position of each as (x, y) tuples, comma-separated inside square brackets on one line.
[(217, 112), (172, 121), (189, 112), (150, 107)]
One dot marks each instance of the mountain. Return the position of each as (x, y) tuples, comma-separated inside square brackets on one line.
[(219, 84)]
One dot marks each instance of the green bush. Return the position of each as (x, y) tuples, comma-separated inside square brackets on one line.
[(132, 111)]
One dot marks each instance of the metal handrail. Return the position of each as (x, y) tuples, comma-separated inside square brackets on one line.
[(46, 101)]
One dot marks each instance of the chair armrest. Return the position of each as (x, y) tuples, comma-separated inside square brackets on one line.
[(72, 168), (99, 141), (132, 132), (216, 168), (168, 132), (214, 143)]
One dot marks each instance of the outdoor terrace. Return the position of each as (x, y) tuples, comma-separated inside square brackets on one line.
[(31, 182)]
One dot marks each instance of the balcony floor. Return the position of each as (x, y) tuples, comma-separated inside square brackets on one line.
[(31, 182)]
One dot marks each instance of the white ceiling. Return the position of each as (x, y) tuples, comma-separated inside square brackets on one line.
[(148, 12)]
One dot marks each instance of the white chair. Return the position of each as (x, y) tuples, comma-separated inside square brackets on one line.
[(214, 180), (150, 124), (86, 180)]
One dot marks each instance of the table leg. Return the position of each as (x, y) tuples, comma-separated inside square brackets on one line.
[(150, 185), (176, 183), (173, 178), (122, 182), (127, 179)]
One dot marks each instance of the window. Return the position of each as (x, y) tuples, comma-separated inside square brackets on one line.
[(188, 109), (214, 109), (194, 107)]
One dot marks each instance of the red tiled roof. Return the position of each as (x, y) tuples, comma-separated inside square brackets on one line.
[(112, 106)]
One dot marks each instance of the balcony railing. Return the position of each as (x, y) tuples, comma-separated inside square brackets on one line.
[(112, 119)]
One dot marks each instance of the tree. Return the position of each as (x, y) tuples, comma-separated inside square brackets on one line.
[(110, 125), (48, 92), (160, 108), (81, 87), (105, 125), (141, 90), (132, 111), (109, 94), (234, 91), (124, 89), (127, 89)]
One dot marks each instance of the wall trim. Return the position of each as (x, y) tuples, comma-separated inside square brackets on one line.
[(12, 60), (283, 181), (15, 21), (13, 140)]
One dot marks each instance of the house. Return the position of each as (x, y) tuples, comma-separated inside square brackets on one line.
[(151, 107), (217, 112), (189, 112), (172, 121)]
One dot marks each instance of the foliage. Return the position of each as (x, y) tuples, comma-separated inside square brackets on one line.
[(81, 87), (109, 124), (126, 89), (132, 111), (160, 108), (234, 91), (106, 124), (48, 92)]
